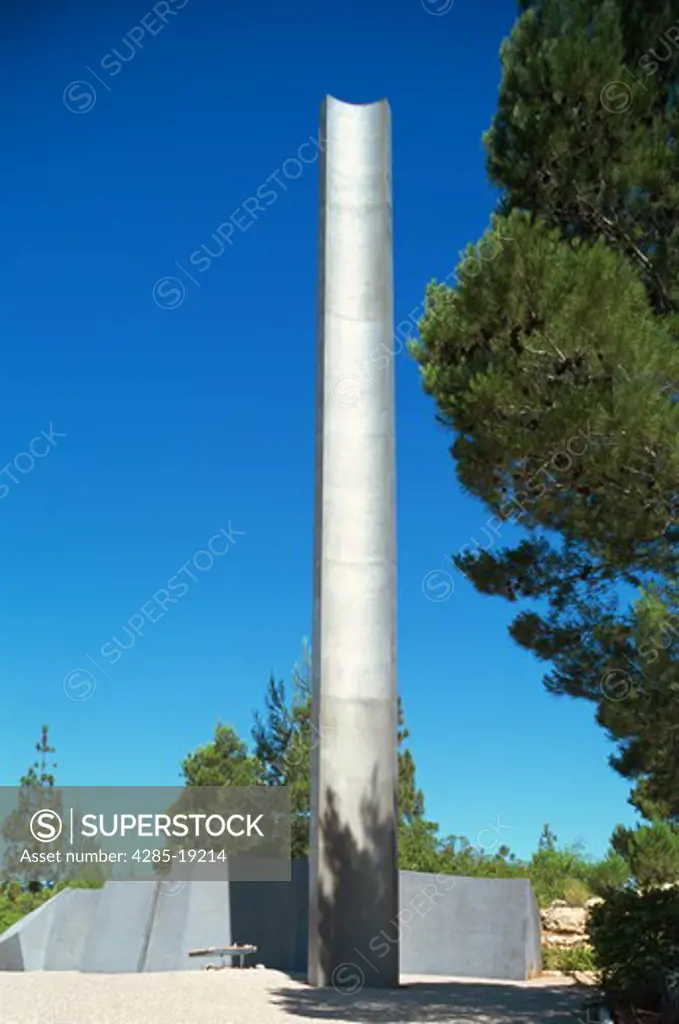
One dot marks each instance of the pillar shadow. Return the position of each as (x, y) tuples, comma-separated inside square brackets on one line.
[(439, 1002), (361, 887)]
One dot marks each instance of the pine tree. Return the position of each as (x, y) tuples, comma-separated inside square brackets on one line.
[(284, 741), (283, 744), (555, 362), (410, 798), (224, 761), (652, 852), (36, 792), (547, 840)]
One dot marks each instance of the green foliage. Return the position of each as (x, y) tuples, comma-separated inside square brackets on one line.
[(556, 873), (410, 798), (651, 851), (576, 892), (84, 880), (569, 960), (636, 943), (555, 363), (613, 872), (419, 847), (16, 903), (222, 762), (283, 744)]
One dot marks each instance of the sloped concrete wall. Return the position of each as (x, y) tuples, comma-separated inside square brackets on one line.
[(71, 929), (196, 915), (24, 946), (121, 928), (465, 927), (171, 915)]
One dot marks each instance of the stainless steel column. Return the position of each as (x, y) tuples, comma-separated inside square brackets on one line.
[(354, 870)]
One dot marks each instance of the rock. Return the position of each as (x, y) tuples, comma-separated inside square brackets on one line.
[(585, 977), (564, 926), (562, 940), (562, 918)]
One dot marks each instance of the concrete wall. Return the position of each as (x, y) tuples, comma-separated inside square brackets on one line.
[(465, 927), (275, 917), (478, 928)]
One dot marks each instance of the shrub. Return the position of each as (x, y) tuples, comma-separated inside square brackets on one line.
[(551, 871), (86, 880), (16, 902), (576, 892), (611, 873), (636, 944), (570, 959)]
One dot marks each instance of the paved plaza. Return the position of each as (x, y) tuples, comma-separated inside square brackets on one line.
[(260, 996)]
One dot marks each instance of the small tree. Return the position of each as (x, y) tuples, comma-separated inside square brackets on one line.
[(547, 840), (36, 792)]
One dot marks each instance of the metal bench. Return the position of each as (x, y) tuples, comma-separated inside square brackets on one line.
[(224, 951)]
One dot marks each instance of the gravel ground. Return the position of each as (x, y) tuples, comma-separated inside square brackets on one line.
[(268, 997)]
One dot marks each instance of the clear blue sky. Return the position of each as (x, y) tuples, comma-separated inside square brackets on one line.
[(180, 421)]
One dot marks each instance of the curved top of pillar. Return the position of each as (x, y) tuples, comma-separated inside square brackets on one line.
[(354, 115), (357, 136), (333, 101)]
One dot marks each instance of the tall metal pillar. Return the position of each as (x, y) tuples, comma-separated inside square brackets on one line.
[(353, 869)]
